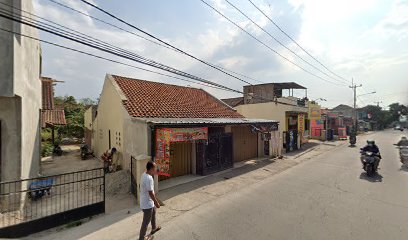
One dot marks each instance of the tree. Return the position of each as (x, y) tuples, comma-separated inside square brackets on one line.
[(396, 109), (74, 114), (87, 102)]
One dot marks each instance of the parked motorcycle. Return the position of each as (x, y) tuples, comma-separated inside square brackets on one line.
[(85, 152), (403, 150), (39, 188), (370, 162), (57, 150), (353, 140)]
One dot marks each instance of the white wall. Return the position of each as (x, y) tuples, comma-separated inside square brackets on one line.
[(22, 58), (271, 111), (136, 140), (88, 118), (111, 114)]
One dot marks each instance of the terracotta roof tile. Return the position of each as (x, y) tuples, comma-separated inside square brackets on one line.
[(152, 99), (52, 117), (47, 93)]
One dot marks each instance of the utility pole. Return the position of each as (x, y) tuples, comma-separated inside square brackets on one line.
[(378, 103), (354, 87)]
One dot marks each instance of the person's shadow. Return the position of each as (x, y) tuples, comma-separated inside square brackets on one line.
[(375, 178)]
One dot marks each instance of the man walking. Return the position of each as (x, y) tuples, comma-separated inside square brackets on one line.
[(148, 200)]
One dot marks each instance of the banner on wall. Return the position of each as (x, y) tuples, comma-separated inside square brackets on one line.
[(301, 123), (314, 111), (165, 136)]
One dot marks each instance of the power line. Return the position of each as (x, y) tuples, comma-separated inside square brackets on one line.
[(101, 48), (279, 42), (139, 60), (162, 41), (294, 41), (264, 44), (125, 64), (108, 59), (140, 36)]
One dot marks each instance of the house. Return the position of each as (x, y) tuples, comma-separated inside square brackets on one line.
[(50, 116), (268, 101), (344, 110), (89, 118), (20, 98), (185, 130)]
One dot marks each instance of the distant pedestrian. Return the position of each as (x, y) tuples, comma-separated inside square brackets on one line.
[(148, 200)]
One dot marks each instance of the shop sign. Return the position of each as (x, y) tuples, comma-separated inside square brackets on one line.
[(301, 123), (314, 111), (164, 136)]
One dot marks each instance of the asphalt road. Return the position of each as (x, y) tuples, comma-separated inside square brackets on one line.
[(329, 197)]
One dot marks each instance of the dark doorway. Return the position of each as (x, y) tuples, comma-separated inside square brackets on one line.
[(216, 154)]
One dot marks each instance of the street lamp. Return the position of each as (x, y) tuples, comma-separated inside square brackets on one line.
[(367, 94), (319, 99)]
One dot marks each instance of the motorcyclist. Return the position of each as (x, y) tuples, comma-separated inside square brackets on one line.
[(403, 142), (372, 147)]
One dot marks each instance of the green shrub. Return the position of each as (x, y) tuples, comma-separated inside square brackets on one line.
[(46, 134), (46, 148)]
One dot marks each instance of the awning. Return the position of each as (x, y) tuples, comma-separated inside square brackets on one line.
[(207, 121), (52, 118)]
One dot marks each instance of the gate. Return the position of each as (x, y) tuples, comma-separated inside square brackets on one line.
[(133, 182), (216, 155), (36, 204)]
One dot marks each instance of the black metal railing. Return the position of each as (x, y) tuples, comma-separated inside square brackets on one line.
[(133, 174), (50, 201)]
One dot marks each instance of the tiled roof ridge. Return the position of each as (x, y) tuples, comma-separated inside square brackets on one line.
[(153, 82), (169, 100)]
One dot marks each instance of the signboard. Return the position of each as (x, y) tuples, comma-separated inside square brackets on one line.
[(342, 133), (188, 134), (164, 136), (314, 111), (301, 123)]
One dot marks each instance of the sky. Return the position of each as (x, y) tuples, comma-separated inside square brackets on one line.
[(363, 40)]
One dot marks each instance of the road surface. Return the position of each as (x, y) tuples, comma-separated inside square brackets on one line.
[(328, 197)]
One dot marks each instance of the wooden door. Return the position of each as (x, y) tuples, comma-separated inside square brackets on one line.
[(245, 143), (180, 158)]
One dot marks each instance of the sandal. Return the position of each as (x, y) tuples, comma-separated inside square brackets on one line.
[(155, 230)]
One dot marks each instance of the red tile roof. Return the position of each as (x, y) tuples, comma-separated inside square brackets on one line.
[(47, 93), (52, 117), (159, 100)]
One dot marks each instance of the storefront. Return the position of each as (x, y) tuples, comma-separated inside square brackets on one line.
[(203, 149), (297, 131)]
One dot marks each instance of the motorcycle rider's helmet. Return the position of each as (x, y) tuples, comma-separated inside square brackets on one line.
[(404, 138), (370, 142)]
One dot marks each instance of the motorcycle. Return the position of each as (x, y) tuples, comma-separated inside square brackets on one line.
[(369, 160), (57, 151), (85, 152), (40, 188), (403, 150), (353, 140)]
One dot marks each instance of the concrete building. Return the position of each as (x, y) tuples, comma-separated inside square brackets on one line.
[(185, 130), (89, 118), (267, 101), (20, 98)]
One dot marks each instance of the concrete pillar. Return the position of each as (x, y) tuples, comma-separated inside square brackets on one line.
[(141, 162)]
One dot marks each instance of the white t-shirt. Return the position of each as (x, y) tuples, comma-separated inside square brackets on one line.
[(146, 185)]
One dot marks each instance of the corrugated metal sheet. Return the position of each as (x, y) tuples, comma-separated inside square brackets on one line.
[(175, 121)]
